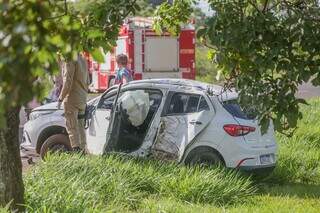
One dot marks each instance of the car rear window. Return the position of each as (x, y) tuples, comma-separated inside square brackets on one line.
[(233, 107)]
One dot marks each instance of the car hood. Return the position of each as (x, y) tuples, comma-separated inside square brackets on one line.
[(54, 105), (50, 106)]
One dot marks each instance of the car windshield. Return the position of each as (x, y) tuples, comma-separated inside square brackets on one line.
[(233, 107)]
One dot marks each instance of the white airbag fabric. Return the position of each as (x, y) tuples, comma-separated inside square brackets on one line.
[(137, 105)]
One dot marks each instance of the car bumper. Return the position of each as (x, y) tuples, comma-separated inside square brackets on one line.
[(30, 135), (261, 170), (26, 141), (262, 163), (249, 156)]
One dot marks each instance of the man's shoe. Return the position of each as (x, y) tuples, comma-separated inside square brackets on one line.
[(76, 149)]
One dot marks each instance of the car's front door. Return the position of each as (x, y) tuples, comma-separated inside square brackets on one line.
[(96, 132), (184, 117), (122, 134)]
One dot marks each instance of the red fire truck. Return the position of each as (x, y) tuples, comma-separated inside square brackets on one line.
[(150, 55)]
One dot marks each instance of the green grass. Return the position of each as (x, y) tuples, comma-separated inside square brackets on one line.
[(300, 155), (69, 183)]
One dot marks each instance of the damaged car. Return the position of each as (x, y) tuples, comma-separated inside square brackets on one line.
[(168, 119)]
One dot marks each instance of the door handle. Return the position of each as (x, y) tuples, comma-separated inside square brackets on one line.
[(193, 122), (107, 117)]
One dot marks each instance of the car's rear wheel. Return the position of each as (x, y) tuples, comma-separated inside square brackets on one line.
[(55, 143), (204, 157)]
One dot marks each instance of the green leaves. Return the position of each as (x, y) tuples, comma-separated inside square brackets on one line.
[(33, 32), (266, 49), (94, 33), (171, 17), (97, 55), (201, 32)]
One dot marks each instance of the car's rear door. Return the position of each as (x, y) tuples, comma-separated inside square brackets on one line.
[(184, 117)]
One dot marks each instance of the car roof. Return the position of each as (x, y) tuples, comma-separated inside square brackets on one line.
[(173, 83), (197, 85)]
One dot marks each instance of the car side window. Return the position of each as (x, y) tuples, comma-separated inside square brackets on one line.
[(192, 104), (182, 103), (177, 104), (107, 102), (203, 105)]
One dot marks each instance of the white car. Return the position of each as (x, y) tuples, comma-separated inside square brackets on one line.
[(187, 121)]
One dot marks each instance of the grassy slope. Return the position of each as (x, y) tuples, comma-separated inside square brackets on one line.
[(122, 184), (118, 183)]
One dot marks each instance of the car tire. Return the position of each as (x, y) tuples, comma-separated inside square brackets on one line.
[(55, 143), (204, 157)]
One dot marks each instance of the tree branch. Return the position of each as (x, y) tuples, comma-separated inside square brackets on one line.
[(126, 14), (265, 6), (65, 11), (296, 9), (273, 6), (254, 5)]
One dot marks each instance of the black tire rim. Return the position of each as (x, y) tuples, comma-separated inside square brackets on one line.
[(206, 162), (56, 148)]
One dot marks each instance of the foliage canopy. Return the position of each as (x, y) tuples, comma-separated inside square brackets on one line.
[(264, 48), (32, 32)]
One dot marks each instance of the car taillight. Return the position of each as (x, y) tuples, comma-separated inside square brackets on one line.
[(238, 130)]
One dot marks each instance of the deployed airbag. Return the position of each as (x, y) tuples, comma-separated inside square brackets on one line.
[(136, 103)]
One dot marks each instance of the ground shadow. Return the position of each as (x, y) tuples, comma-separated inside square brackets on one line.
[(299, 190)]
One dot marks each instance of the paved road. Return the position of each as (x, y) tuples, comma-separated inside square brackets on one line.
[(308, 91)]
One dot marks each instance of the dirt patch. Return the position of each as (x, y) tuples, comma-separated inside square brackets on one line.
[(28, 158)]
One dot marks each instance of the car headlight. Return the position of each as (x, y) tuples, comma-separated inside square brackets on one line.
[(36, 114)]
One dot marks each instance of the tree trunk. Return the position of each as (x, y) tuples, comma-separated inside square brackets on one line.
[(11, 183)]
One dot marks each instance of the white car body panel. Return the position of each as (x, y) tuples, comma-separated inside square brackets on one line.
[(176, 132), (96, 132), (33, 129)]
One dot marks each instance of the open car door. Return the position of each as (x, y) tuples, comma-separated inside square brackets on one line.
[(133, 114), (98, 122), (113, 128), (185, 116)]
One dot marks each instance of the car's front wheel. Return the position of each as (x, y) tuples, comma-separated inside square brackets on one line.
[(55, 143), (205, 157)]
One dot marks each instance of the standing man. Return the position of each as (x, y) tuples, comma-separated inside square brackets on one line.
[(74, 97)]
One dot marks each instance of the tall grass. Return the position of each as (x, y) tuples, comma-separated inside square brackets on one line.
[(70, 183), (299, 155), (74, 184)]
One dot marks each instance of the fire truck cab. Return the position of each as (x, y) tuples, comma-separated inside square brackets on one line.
[(150, 55)]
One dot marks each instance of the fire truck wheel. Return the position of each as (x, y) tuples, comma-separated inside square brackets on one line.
[(55, 143), (112, 82)]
